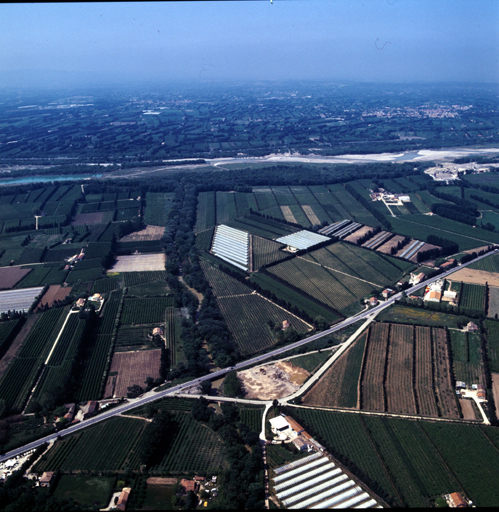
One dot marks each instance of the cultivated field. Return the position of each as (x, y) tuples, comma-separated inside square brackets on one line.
[(54, 293), (247, 317), (493, 302), (81, 219), (138, 263), (10, 276), (423, 372), (338, 386), (265, 252), (132, 368)]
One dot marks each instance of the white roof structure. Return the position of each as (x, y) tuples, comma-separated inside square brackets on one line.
[(232, 246), (302, 239), (279, 423), (18, 300)]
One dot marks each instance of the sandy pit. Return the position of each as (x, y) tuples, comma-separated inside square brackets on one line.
[(272, 381)]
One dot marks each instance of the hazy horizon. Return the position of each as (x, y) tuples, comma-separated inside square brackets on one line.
[(98, 44)]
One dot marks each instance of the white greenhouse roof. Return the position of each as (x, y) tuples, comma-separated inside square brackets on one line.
[(303, 239)]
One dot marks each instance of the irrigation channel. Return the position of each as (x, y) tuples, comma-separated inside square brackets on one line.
[(152, 396)]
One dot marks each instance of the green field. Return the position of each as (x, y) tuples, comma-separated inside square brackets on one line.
[(156, 208), (412, 462), (489, 264), (311, 362), (266, 252), (492, 337), (417, 316), (87, 491), (335, 289), (144, 310)]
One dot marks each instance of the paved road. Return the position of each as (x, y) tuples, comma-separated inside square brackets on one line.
[(152, 396)]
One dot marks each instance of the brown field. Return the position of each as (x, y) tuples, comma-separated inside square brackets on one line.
[(358, 234), (330, 389), (156, 480), (88, 218), (148, 233), (309, 212), (53, 293), (467, 408), (468, 275), (442, 375), (423, 373), (399, 375), (9, 276), (426, 247), (372, 391), (132, 368), (138, 263), (387, 247), (288, 214)]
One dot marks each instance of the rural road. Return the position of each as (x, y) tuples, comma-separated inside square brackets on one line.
[(152, 396)]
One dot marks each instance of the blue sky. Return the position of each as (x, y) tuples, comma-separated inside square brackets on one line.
[(367, 40)]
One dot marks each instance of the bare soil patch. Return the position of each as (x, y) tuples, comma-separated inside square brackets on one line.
[(468, 275), (16, 344), (309, 212), (10, 276), (477, 249), (139, 263), (272, 381), (156, 480), (386, 248), (148, 233), (467, 409), (132, 368), (53, 293), (358, 234), (288, 214), (88, 218), (493, 302), (495, 389)]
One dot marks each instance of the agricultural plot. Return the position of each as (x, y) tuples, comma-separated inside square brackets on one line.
[(130, 368), (260, 226), (489, 264), (9, 277), (423, 372), (410, 462), (222, 284), (139, 263), (146, 310), (334, 289), (106, 284), (157, 205), (7, 332), (360, 263), (472, 297), (400, 371), (94, 371), (338, 386), (206, 210), (81, 219), (372, 394), (133, 338), (247, 317), (18, 380), (136, 278), (466, 357), (407, 315), (281, 291), (18, 300), (492, 338), (204, 239), (148, 234), (54, 294), (265, 252)]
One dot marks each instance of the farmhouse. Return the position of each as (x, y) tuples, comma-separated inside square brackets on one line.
[(46, 479), (386, 293), (433, 296), (471, 327), (189, 485), (80, 303), (125, 494), (285, 324), (302, 445), (295, 427), (456, 500), (373, 301), (278, 424), (157, 331)]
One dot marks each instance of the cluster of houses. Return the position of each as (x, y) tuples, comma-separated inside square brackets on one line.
[(96, 298), (77, 257), (387, 197), (476, 390), (287, 429), (456, 500)]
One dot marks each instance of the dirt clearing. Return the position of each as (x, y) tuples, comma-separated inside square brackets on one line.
[(129, 368), (386, 248), (156, 480), (9, 276), (309, 212), (139, 263), (272, 381), (53, 293), (359, 233), (467, 409), (288, 214), (468, 275), (148, 233)]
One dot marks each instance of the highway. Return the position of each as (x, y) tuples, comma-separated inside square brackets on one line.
[(152, 396)]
